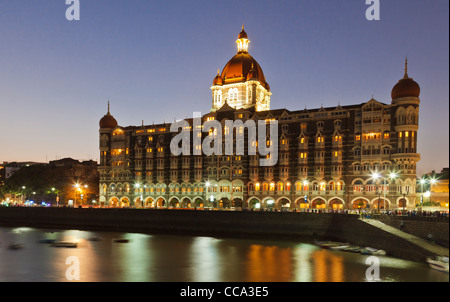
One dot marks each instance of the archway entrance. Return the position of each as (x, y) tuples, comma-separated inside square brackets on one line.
[(198, 203), (381, 204), (124, 202), (224, 203), (149, 203), (359, 204), (174, 203), (284, 203), (336, 204), (303, 203), (160, 202), (237, 203), (185, 203), (114, 202), (319, 204), (254, 204), (402, 203), (138, 202)]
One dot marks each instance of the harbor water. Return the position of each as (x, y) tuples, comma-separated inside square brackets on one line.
[(28, 255)]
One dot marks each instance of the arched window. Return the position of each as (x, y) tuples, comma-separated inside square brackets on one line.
[(233, 94)]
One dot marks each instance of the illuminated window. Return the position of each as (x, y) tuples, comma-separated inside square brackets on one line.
[(257, 186), (406, 133), (322, 186), (399, 134), (280, 187), (358, 137), (272, 186)]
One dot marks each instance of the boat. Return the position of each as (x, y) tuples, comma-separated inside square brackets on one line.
[(328, 244), (339, 247), (15, 246), (352, 249), (94, 238), (371, 251), (121, 240), (64, 244), (47, 241), (438, 263)]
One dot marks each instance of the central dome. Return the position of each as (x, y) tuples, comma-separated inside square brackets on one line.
[(238, 68)]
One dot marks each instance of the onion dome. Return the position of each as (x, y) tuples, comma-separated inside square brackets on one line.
[(406, 87), (218, 79), (108, 121)]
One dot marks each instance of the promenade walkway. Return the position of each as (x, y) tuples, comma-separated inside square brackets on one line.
[(429, 246)]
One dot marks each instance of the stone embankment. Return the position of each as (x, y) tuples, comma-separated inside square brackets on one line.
[(274, 225)]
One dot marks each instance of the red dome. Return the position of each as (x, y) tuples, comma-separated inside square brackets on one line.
[(238, 68), (406, 87), (218, 80), (108, 121)]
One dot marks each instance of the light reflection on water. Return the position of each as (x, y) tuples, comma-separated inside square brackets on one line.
[(165, 258)]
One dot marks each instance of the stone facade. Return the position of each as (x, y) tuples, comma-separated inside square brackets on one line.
[(343, 157)]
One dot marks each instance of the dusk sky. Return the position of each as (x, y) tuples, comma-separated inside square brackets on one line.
[(156, 60)]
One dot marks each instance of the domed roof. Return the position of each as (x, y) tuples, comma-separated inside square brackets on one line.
[(238, 68), (218, 79), (108, 121), (406, 87)]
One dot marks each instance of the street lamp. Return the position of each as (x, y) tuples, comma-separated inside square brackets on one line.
[(375, 176), (422, 182)]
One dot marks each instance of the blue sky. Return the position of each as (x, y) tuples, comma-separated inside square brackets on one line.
[(155, 61)]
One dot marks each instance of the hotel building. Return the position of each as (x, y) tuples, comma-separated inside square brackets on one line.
[(345, 157)]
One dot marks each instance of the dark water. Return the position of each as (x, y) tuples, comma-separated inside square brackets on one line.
[(165, 258)]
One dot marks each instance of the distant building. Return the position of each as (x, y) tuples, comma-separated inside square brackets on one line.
[(61, 178), (344, 157), (437, 187), (12, 167)]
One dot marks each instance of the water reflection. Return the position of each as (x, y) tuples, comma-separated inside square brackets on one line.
[(164, 258)]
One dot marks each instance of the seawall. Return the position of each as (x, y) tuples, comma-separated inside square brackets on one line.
[(248, 224)]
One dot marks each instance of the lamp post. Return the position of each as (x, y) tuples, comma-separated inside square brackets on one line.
[(54, 191), (375, 177), (392, 177), (23, 199), (422, 182)]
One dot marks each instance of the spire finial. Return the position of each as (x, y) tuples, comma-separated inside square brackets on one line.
[(406, 68), (242, 26), (218, 71), (108, 108)]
